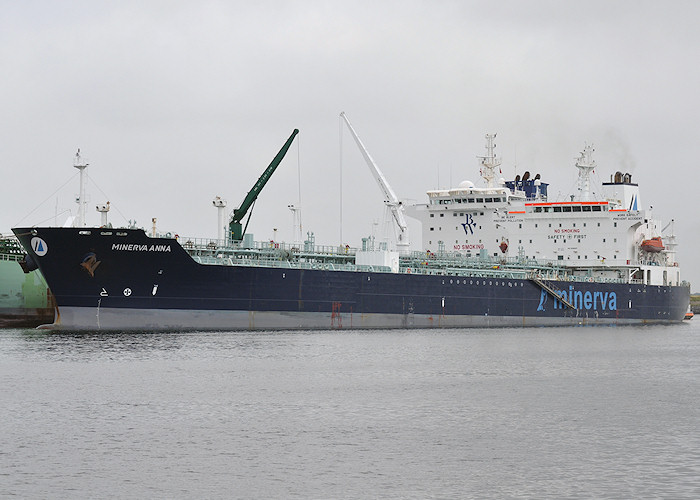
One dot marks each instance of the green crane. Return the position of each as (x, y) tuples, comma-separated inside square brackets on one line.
[(236, 229)]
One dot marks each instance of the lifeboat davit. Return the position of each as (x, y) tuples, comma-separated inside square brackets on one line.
[(652, 245)]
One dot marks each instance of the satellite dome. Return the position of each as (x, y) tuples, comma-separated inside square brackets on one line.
[(466, 184)]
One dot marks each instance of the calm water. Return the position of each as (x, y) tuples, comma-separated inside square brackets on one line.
[(503, 413)]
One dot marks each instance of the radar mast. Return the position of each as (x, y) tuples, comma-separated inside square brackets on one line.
[(585, 164), (489, 163)]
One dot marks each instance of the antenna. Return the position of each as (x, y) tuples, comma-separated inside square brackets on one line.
[(296, 209), (340, 167)]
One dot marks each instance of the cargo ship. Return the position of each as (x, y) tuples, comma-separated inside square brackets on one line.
[(498, 255), (25, 300)]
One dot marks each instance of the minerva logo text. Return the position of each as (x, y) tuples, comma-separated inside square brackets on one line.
[(140, 248), (604, 301)]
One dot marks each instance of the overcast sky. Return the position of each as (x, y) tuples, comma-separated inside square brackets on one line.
[(173, 103)]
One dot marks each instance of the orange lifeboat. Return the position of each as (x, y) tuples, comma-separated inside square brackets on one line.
[(652, 245)]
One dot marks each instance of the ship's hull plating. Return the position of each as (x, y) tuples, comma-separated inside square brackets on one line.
[(121, 279)]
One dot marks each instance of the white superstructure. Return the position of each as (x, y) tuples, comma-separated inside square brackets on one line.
[(611, 237)]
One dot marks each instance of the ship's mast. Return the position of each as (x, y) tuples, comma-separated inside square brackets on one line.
[(220, 205), (80, 164), (296, 223), (489, 163), (585, 164)]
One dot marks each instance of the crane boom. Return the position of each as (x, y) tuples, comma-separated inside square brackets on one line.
[(391, 200), (235, 227)]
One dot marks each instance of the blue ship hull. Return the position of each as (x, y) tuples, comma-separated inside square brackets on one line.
[(122, 279)]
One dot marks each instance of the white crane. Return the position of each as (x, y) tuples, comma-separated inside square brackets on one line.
[(391, 201)]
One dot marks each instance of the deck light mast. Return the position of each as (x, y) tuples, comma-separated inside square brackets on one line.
[(80, 164)]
